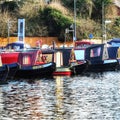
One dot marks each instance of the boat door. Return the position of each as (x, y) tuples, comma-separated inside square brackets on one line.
[(105, 53), (58, 59), (118, 55), (0, 61)]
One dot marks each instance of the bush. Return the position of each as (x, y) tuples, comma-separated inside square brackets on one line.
[(56, 22)]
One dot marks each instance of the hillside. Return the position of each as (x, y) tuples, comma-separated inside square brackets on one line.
[(51, 19)]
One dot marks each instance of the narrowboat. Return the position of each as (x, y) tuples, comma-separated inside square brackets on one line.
[(78, 62), (92, 58), (34, 64)]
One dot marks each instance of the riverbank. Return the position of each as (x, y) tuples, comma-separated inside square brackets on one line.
[(45, 40)]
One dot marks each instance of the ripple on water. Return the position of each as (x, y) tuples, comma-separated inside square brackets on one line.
[(94, 96)]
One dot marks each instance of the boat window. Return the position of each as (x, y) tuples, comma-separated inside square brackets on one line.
[(95, 52), (26, 60), (16, 47), (80, 54)]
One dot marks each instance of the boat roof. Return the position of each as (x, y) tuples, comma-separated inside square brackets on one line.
[(95, 45), (17, 45), (83, 42), (47, 51), (115, 40)]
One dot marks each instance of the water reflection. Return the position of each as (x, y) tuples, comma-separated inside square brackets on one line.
[(91, 97), (59, 97)]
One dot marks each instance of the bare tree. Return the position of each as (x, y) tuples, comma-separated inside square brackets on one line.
[(4, 18)]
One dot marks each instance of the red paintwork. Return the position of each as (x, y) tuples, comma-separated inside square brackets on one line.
[(81, 62), (17, 57), (65, 73), (39, 63), (9, 57), (83, 42)]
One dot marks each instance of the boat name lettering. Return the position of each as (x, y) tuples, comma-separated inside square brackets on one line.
[(36, 67), (109, 61)]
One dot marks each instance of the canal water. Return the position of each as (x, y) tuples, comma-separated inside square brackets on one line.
[(90, 97)]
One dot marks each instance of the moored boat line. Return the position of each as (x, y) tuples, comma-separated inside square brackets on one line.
[(90, 57)]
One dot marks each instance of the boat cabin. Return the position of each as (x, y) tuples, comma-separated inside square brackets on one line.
[(9, 57), (114, 48), (93, 53), (48, 55), (27, 57), (94, 58), (78, 53), (113, 52), (96, 53), (62, 56), (33, 57)]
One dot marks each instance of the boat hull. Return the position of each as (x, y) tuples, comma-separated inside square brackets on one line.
[(4, 70), (79, 68), (62, 71), (36, 71), (106, 65), (13, 68)]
